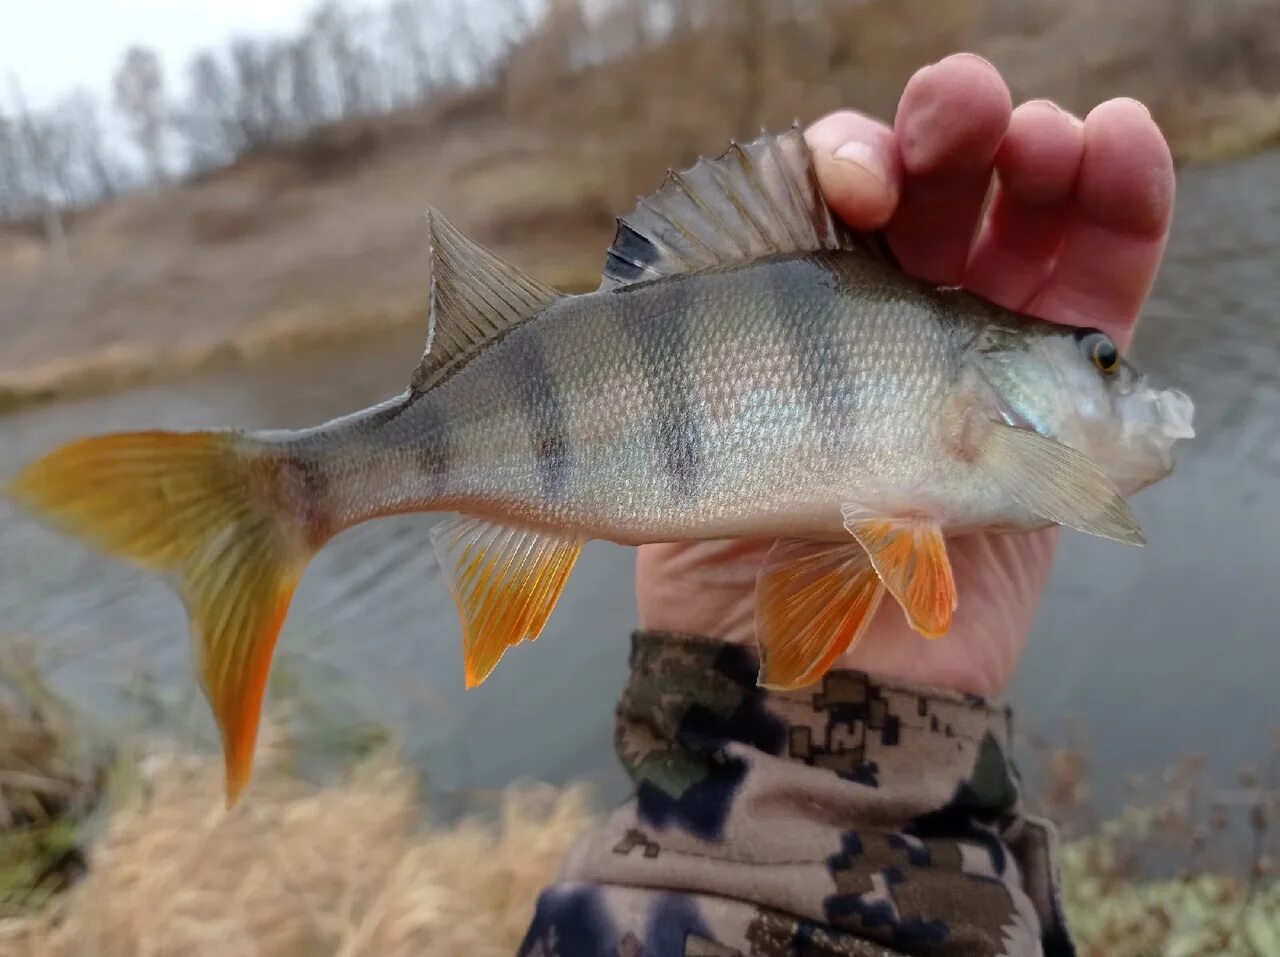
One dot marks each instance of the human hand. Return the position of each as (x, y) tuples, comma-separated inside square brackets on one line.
[(1074, 233)]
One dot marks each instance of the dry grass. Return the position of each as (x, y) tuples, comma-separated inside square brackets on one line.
[(1209, 72), (52, 776), (347, 869), (351, 869), (1187, 869), (1203, 914)]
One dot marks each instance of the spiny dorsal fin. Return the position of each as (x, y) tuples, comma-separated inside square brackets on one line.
[(759, 199), (476, 298)]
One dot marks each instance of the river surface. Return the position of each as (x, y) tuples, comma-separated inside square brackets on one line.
[(1149, 654)]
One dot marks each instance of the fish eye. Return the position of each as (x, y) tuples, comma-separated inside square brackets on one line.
[(1100, 350)]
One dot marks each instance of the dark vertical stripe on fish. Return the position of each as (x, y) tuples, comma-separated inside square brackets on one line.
[(544, 411), (662, 343), (815, 341), (435, 451), (303, 484)]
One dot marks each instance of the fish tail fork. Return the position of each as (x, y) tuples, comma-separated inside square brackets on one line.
[(206, 510)]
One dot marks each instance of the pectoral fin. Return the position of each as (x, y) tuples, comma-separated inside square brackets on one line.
[(505, 581), (813, 601), (1058, 483), (910, 556)]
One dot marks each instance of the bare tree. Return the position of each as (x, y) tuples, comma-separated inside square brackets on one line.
[(58, 157), (15, 196), (261, 94), (306, 87), (463, 54), (208, 120), (97, 169), (139, 87), (35, 157), (339, 36), (408, 30), (260, 73)]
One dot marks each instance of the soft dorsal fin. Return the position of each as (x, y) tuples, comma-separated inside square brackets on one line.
[(476, 298), (758, 199)]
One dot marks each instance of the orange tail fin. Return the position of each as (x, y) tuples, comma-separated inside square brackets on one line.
[(199, 508)]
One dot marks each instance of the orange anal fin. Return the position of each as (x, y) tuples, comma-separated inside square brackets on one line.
[(505, 581), (910, 556), (813, 601)]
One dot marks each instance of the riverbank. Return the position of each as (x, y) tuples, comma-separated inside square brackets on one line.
[(314, 303), (322, 240), (278, 254)]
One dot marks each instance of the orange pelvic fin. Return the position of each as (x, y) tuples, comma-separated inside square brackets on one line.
[(813, 601), (910, 557), (506, 582), (190, 505)]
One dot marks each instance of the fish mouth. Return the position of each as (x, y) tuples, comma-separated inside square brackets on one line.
[(1175, 410), (1161, 416), (1154, 420)]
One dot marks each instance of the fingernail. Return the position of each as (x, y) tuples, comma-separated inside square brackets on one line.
[(861, 154), (1142, 106), (971, 56), (1075, 120), (1126, 100)]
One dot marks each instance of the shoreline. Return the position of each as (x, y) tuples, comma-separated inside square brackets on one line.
[(122, 367), (310, 324)]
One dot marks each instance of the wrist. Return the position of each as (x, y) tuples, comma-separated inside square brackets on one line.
[(890, 651)]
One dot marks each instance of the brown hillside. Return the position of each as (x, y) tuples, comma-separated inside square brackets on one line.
[(325, 238)]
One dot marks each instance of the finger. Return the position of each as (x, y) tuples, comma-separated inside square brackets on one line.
[(1117, 223), (857, 166), (950, 121), (1036, 167)]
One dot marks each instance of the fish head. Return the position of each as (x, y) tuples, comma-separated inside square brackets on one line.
[(1073, 386)]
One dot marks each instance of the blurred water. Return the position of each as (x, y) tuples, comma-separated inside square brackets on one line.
[(1155, 653)]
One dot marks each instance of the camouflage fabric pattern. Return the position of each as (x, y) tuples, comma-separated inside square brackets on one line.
[(853, 818)]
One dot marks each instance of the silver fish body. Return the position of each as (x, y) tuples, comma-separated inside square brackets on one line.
[(753, 400)]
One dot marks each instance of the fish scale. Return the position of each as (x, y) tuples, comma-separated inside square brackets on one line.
[(749, 367)]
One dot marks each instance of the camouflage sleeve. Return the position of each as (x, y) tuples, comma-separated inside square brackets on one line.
[(854, 818)]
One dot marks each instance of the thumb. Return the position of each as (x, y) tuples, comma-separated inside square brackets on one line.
[(858, 169)]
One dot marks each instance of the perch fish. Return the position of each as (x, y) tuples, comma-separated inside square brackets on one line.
[(748, 367)]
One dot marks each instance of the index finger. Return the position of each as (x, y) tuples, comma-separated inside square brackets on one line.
[(1117, 225)]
